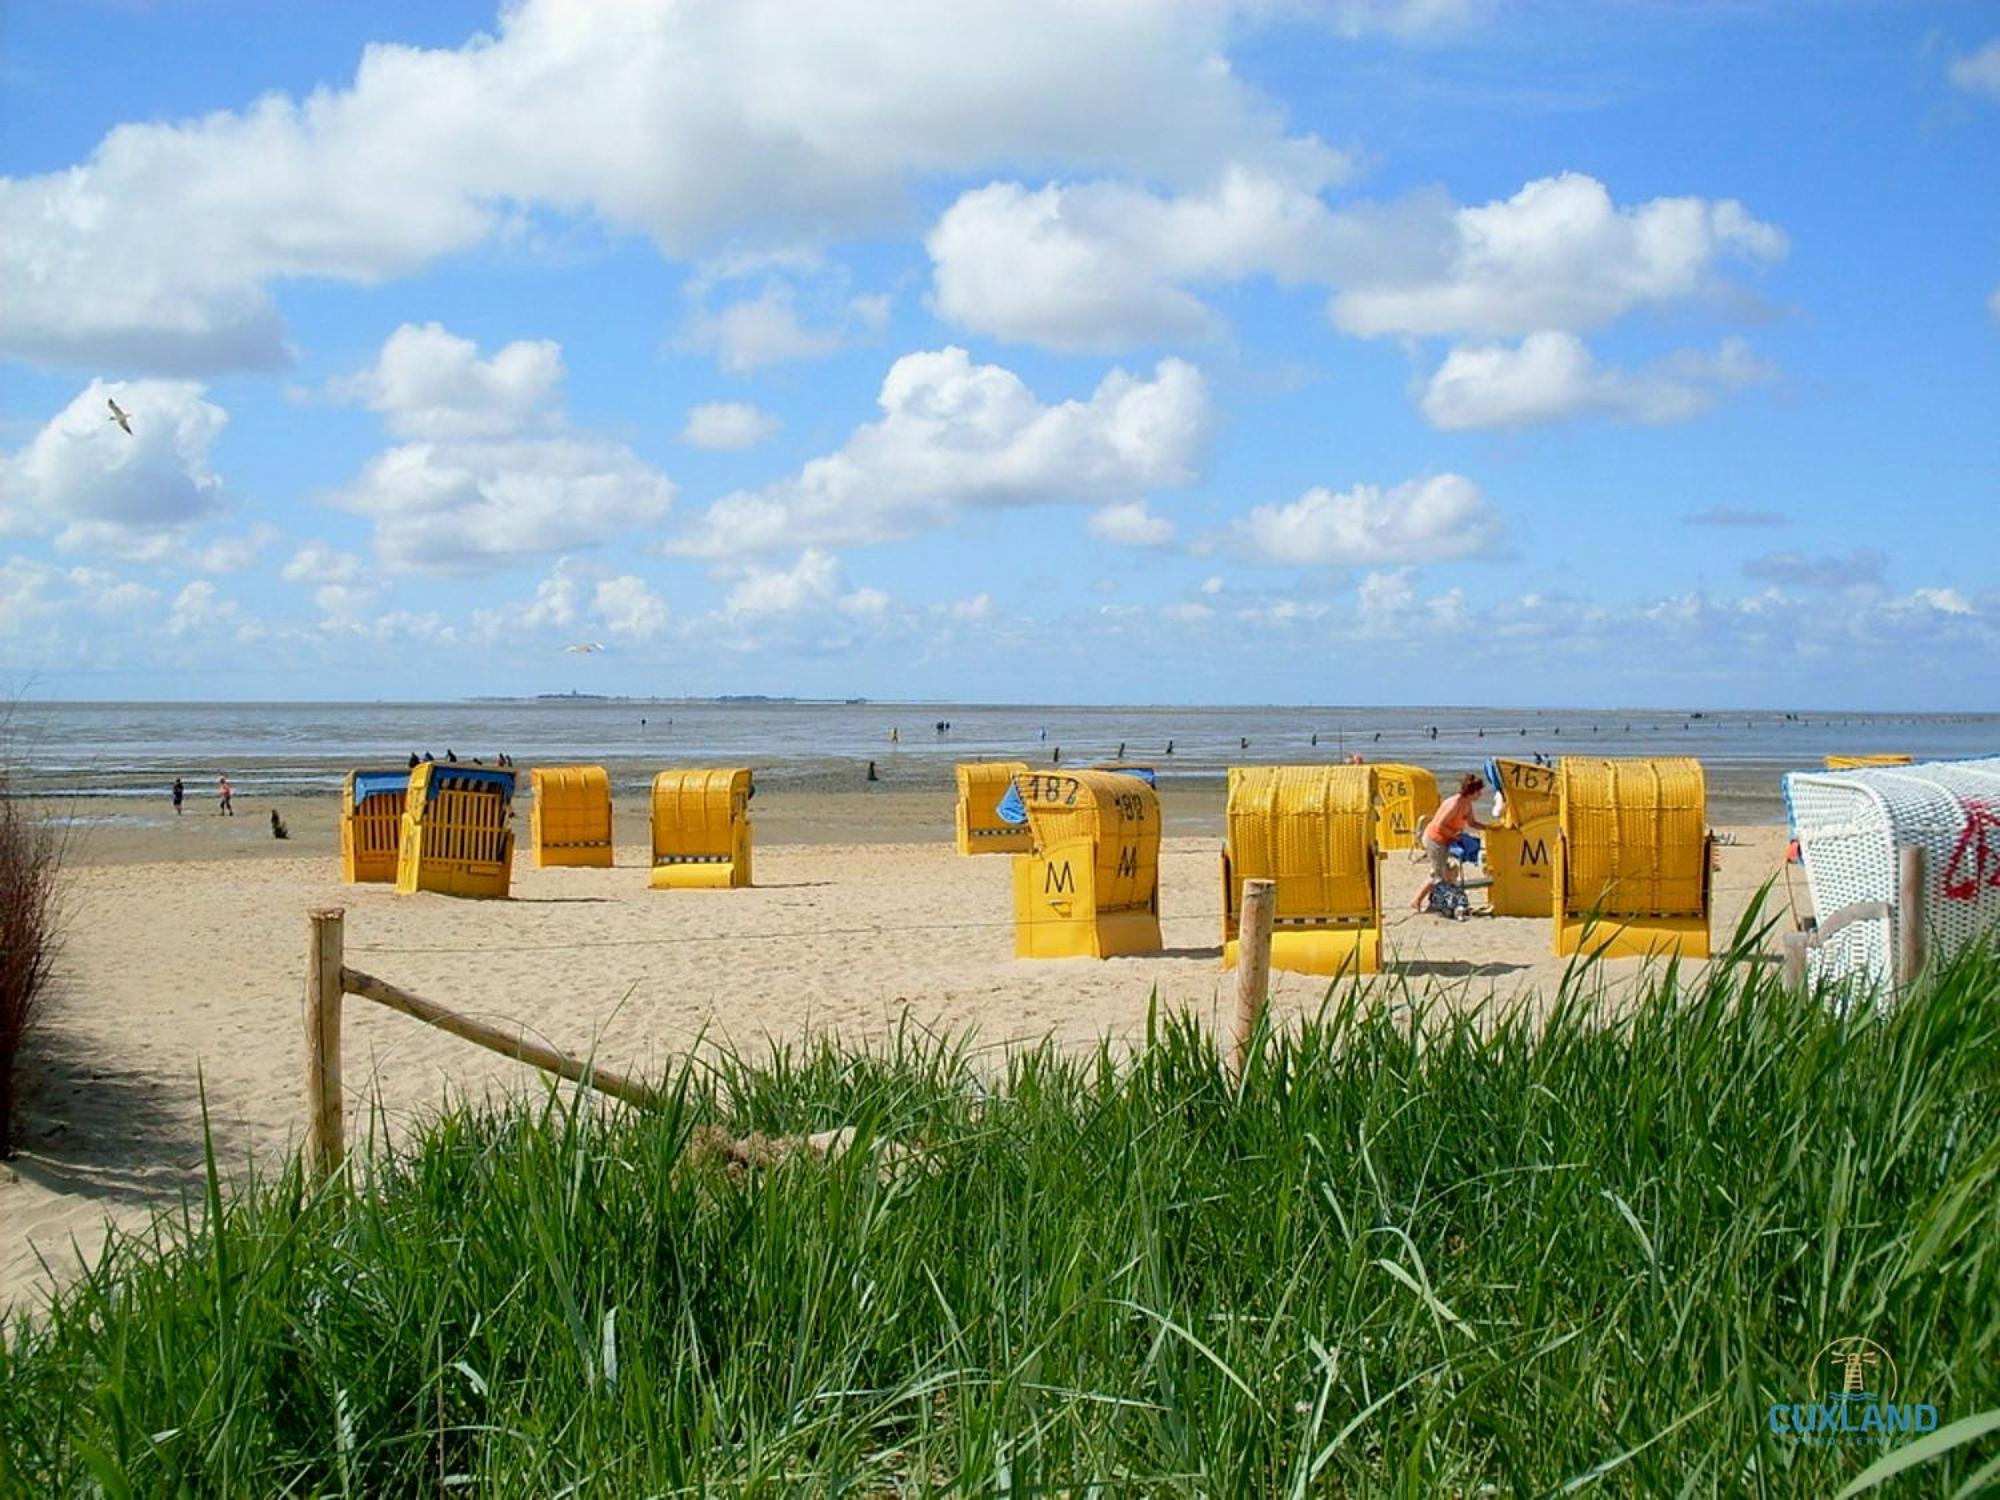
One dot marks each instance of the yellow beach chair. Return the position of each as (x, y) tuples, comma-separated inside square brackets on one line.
[(1518, 851), (1409, 795), (1091, 886), (1632, 859), (1312, 829), (456, 836), (371, 825), (981, 829), (701, 830), (1860, 762), (570, 823)]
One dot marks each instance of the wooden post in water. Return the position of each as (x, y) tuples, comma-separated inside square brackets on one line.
[(325, 1123), (1912, 913), (1253, 967)]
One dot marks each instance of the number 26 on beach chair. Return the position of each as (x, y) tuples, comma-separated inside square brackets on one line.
[(1091, 886), (1313, 830), (1408, 796)]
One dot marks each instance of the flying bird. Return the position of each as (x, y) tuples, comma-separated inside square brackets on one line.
[(119, 415), (583, 648)]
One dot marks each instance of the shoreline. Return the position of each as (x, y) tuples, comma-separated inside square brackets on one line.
[(830, 809)]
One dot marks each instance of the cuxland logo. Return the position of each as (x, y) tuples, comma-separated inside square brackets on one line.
[(1853, 1400)]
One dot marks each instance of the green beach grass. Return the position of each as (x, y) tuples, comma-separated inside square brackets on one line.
[(1424, 1252)]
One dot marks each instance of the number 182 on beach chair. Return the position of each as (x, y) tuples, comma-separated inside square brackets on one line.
[(1091, 886)]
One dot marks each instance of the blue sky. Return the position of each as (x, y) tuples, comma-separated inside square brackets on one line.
[(1372, 351)]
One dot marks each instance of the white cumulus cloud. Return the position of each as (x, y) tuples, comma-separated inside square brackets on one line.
[(430, 383), (1979, 72), (762, 330), (955, 435), (1549, 376), (317, 562), (95, 487), (1438, 519), (628, 608), (697, 123), (1103, 265), (1130, 523), (500, 476), (1559, 254), (728, 425)]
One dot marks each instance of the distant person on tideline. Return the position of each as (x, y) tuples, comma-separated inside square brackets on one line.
[(1454, 815), (179, 792), (226, 792)]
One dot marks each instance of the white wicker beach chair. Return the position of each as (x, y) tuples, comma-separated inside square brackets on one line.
[(1850, 824)]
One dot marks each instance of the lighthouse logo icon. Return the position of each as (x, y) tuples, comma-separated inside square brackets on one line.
[(1854, 1370)]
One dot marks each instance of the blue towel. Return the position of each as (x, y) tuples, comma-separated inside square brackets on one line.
[(1010, 808), (1466, 847)]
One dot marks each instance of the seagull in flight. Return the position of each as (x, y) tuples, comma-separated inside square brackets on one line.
[(119, 415), (583, 648)]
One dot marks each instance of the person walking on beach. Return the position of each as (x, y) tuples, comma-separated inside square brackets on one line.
[(227, 792), (179, 792), (1454, 815)]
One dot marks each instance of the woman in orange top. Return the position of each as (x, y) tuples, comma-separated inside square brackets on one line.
[(1454, 815)]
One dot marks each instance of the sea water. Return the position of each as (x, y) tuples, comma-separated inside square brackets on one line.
[(89, 750)]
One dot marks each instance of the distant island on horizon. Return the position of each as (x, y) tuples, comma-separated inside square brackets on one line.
[(576, 697)]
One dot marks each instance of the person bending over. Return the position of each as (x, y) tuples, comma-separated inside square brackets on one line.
[(1454, 815)]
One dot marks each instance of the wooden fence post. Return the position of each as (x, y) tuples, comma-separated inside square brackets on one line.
[(1912, 913), (325, 1112), (1794, 944), (1253, 967)]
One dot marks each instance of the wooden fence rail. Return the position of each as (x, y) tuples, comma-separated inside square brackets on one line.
[(329, 981)]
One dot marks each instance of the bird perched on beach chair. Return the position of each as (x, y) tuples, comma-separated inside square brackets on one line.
[(119, 415)]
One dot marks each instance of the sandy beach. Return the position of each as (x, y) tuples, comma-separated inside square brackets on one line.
[(183, 961)]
